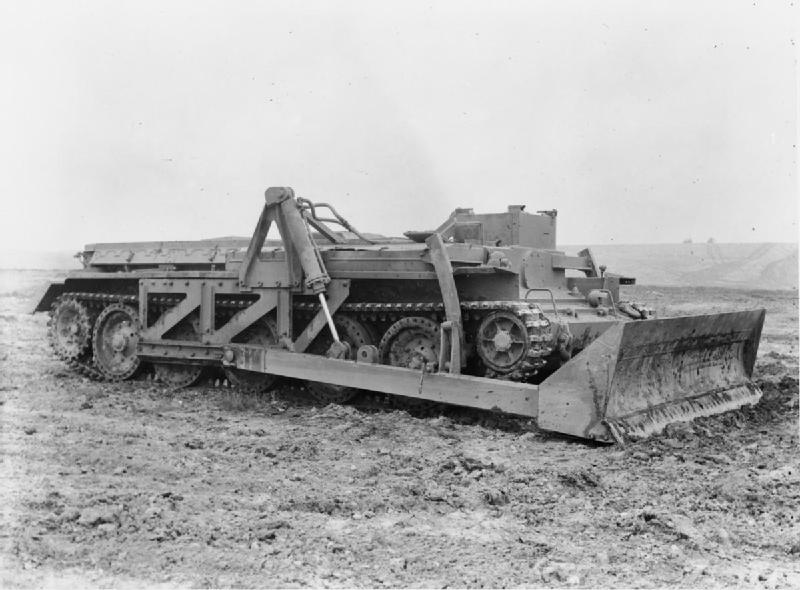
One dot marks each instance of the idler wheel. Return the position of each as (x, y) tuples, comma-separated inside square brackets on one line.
[(173, 375), (69, 329), (115, 337), (262, 333), (352, 333), (502, 341)]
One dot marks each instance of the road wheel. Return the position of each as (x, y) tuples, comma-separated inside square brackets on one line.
[(355, 334), (176, 375), (413, 343), (115, 337), (262, 333)]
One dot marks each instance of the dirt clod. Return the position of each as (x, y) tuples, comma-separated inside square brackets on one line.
[(496, 497), (581, 479), (96, 516)]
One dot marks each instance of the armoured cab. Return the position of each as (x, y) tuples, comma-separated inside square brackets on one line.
[(516, 227)]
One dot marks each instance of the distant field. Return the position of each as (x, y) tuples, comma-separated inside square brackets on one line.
[(30, 260), (763, 266)]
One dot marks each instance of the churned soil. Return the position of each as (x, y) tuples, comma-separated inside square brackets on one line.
[(131, 485)]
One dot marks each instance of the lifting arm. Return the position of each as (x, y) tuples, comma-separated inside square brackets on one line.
[(282, 207)]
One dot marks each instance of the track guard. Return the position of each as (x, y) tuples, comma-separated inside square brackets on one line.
[(53, 292), (637, 377)]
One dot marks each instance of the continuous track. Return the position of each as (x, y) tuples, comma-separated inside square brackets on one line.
[(378, 316)]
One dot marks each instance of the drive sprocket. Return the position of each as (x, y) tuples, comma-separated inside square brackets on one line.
[(502, 341), (69, 329)]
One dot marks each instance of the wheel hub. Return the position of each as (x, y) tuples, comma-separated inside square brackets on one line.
[(502, 341), (120, 339), (417, 354)]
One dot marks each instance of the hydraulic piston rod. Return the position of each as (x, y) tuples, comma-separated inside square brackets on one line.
[(328, 317)]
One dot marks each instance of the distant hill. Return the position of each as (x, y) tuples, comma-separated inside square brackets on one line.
[(766, 266)]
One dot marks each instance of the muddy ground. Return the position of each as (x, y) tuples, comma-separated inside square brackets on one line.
[(128, 485)]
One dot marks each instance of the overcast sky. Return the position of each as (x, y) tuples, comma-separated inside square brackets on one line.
[(639, 121)]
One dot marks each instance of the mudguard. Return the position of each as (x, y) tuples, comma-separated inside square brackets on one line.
[(53, 292)]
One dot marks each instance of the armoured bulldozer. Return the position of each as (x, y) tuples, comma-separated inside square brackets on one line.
[(483, 312)]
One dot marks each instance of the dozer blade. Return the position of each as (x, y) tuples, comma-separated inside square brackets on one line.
[(639, 376)]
